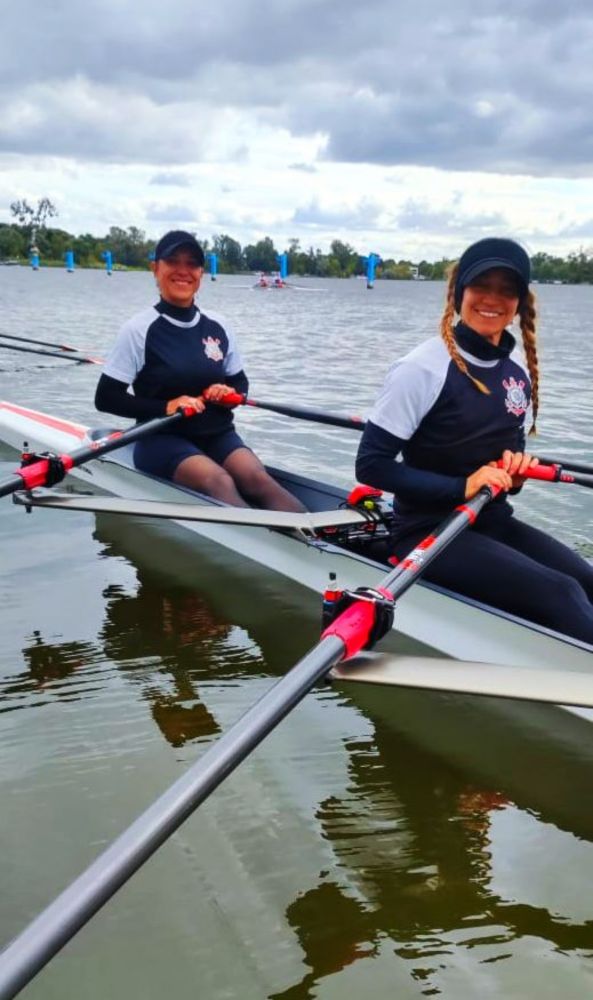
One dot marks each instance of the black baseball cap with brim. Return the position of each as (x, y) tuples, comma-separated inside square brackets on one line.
[(176, 240), (486, 254)]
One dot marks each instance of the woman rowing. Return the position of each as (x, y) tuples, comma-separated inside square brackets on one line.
[(454, 409), (174, 355)]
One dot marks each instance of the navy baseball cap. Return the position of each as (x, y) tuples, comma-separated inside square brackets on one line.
[(177, 238), (488, 253)]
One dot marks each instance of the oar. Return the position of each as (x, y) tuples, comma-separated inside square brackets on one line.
[(348, 634), (43, 343), (555, 686), (303, 413), (80, 359), (567, 465), (49, 470), (556, 474)]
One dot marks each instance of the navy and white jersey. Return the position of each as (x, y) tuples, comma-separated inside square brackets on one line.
[(442, 425), (165, 351)]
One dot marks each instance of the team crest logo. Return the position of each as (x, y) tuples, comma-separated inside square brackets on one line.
[(516, 401), (212, 349)]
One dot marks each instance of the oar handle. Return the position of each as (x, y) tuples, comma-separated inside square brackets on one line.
[(567, 464), (231, 399), (556, 474)]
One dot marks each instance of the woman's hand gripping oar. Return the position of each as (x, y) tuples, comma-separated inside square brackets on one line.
[(366, 619), (48, 469)]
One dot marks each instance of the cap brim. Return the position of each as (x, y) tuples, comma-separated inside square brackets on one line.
[(177, 246), (487, 265)]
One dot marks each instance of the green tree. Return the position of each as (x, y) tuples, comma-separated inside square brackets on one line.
[(228, 250), (345, 257), (12, 243), (128, 246), (262, 256)]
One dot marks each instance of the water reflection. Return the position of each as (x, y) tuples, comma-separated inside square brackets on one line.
[(376, 832), (416, 834)]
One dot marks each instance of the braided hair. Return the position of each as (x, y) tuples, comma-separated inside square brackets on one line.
[(527, 321)]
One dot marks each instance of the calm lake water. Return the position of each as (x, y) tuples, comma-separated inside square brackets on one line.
[(416, 846)]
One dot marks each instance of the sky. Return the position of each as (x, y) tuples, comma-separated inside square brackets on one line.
[(408, 130)]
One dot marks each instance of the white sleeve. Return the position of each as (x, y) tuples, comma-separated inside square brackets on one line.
[(409, 391), (233, 362), (126, 357)]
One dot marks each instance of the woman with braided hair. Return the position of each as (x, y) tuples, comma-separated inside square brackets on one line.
[(451, 410)]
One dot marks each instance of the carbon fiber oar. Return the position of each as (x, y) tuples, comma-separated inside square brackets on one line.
[(558, 474), (43, 343), (80, 358), (567, 465), (301, 412), (47, 471)]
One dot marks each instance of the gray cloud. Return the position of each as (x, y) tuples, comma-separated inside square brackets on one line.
[(175, 215), (169, 179), (417, 217), (501, 89), (364, 216)]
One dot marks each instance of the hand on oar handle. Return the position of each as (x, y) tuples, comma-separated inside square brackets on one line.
[(487, 475), (222, 394), (185, 402)]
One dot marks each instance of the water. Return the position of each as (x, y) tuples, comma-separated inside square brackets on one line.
[(422, 846)]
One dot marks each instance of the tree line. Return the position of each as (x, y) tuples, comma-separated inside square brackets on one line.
[(130, 248)]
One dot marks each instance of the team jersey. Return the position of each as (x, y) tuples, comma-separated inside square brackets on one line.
[(164, 352), (442, 425)]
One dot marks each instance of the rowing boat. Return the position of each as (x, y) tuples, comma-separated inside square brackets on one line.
[(304, 548)]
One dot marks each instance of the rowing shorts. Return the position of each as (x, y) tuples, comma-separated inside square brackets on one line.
[(160, 454)]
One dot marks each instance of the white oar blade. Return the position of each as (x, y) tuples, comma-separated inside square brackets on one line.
[(561, 687), (308, 522)]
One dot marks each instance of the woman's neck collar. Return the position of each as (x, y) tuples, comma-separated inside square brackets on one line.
[(481, 348), (182, 313)]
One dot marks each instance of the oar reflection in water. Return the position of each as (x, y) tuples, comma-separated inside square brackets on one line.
[(415, 839)]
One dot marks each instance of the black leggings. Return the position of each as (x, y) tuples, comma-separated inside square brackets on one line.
[(511, 566)]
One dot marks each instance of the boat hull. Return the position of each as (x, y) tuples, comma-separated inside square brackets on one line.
[(444, 622)]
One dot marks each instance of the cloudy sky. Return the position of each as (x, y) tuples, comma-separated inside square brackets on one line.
[(405, 129)]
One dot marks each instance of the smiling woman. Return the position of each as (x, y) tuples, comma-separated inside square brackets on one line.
[(173, 355), (455, 409)]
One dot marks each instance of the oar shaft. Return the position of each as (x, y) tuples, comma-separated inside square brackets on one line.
[(568, 464), (355, 624), (301, 412), (37, 473), (557, 474), (54, 927), (80, 358), (44, 343)]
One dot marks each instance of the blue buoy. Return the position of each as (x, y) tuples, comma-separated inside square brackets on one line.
[(213, 262), (69, 257), (283, 262), (108, 258), (34, 258), (371, 263)]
